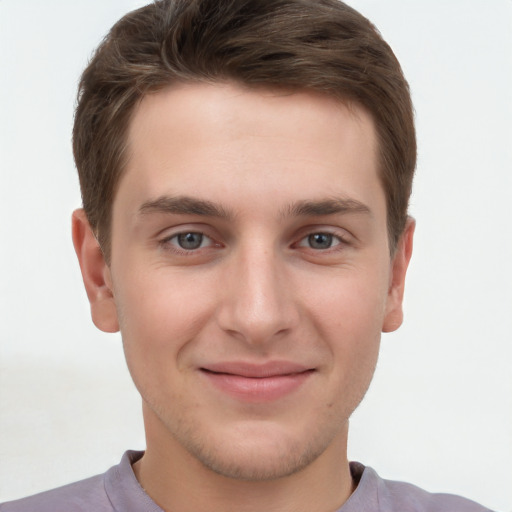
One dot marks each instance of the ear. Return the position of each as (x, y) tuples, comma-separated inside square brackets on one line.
[(394, 313), (95, 273)]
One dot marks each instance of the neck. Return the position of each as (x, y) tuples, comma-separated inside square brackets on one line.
[(178, 482)]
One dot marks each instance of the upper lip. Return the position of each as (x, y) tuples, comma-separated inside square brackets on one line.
[(255, 370)]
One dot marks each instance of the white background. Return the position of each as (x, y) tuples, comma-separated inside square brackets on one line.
[(439, 412)]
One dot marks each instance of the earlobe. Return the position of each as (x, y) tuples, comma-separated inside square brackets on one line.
[(394, 313), (95, 274)]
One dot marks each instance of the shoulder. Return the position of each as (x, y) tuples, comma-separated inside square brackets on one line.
[(116, 490), (85, 495), (410, 497), (375, 494)]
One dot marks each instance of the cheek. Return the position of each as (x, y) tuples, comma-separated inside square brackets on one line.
[(351, 304), (160, 316), (160, 311), (348, 316)]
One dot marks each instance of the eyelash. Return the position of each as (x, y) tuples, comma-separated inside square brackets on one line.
[(332, 237), (167, 243), (337, 239)]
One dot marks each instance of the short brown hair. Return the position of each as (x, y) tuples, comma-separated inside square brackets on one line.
[(320, 45)]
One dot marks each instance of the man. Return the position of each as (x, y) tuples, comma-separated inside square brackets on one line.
[(245, 169)]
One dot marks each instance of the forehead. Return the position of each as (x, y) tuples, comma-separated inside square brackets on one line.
[(207, 140), (228, 110)]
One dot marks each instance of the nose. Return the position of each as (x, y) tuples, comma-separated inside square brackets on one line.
[(258, 302)]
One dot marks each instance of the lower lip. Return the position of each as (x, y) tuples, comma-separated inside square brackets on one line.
[(251, 389)]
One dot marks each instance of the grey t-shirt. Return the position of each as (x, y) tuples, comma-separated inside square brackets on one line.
[(119, 491)]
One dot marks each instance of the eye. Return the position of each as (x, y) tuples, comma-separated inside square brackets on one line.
[(188, 241), (320, 241)]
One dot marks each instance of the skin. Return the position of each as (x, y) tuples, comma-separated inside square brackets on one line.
[(291, 263)]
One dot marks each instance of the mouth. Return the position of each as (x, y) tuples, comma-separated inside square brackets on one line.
[(257, 382)]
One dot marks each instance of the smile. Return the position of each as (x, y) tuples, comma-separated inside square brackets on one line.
[(257, 383)]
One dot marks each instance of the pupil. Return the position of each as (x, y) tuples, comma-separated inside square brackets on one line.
[(190, 240), (320, 241)]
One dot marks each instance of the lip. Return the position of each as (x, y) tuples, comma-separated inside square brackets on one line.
[(257, 382)]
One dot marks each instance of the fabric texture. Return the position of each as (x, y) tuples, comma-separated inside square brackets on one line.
[(118, 490)]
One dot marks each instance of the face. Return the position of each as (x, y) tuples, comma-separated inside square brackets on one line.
[(250, 273)]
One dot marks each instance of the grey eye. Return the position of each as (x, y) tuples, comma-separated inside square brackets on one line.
[(190, 241), (320, 240)]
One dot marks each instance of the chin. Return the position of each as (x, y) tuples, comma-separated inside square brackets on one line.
[(255, 463), (258, 452)]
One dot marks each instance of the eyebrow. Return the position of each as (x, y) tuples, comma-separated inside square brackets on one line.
[(326, 207), (184, 205)]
